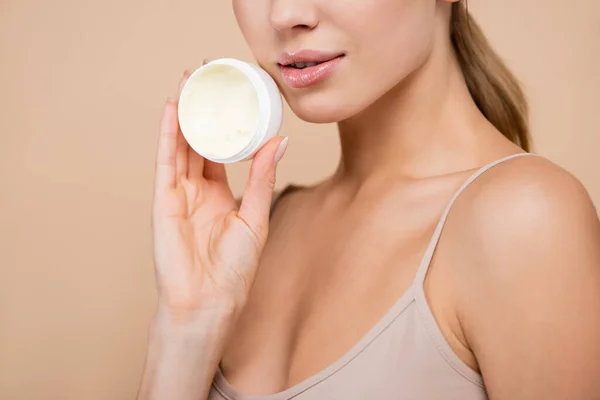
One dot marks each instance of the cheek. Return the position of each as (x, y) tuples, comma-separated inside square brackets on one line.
[(253, 21), (398, 43)]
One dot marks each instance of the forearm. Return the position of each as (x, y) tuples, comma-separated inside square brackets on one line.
[(183, 354)]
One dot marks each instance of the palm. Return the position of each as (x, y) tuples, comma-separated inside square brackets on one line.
[(200, 222)]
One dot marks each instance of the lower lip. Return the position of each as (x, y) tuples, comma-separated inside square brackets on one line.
[(309, 76)]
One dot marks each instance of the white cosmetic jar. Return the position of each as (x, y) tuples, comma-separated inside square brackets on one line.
[(228, 109)]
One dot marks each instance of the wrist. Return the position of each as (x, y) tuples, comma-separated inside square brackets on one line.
[(189, 341), (189, 310), (184, 349), (196, 322)]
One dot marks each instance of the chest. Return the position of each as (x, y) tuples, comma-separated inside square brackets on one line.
[(322, 284)]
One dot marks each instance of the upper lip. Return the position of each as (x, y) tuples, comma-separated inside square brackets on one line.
[(306, 56)]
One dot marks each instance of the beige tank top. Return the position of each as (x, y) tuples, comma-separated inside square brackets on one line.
[(404, 356)]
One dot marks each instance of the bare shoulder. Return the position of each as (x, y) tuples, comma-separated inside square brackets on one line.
[(524, 196), (529, 253), (524, 215)]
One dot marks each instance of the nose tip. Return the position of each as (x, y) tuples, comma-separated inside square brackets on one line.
[(289, 15)]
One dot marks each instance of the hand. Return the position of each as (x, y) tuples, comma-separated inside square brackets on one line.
[(206, 250)]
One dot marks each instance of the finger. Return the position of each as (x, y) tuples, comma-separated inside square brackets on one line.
[(215, 171), (167, 145), (195, 166), (256, 202), (181, 158), (184, 78)]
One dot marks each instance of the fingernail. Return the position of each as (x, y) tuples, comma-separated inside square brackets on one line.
[(281, 150)]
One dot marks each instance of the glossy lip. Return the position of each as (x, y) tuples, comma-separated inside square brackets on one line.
[(287, 58), (308, 76)]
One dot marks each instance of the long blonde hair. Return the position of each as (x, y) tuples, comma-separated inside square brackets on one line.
[(494, 88)]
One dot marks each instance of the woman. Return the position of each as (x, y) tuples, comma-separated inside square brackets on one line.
[(440, 261)]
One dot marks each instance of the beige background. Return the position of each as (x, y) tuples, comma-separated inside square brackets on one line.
[(81, 87)]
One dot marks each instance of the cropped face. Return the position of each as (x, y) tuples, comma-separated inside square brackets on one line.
[(334, 58)]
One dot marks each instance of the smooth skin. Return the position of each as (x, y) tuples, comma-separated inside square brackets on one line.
[(515, 281)]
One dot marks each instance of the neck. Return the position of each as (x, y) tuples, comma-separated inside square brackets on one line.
[(427, 125)]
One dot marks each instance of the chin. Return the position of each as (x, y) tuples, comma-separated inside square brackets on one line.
[(323, 108)]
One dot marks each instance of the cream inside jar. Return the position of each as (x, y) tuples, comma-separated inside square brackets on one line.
[(219, 111)]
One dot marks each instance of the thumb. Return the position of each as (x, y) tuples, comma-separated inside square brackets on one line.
[(256, 202)]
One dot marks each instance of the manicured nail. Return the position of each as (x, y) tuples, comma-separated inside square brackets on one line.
[(281, 150)]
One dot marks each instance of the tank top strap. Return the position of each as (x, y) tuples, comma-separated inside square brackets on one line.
[(427, 257)]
